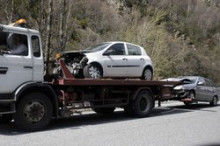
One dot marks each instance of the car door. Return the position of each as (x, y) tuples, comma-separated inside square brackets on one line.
[(209, 91), (115, 61), (135, 60), (201, 89), (14, 69)]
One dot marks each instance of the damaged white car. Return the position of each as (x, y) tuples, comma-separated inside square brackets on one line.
[(110, 59)]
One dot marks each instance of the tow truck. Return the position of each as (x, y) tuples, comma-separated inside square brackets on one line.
[(32, 100)]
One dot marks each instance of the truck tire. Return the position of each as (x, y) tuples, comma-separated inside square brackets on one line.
[(34, 112), (6, 118), (104, 110), (143, 104)]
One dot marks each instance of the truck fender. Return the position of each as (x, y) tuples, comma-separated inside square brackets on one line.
[(38, 87), (139, 90)]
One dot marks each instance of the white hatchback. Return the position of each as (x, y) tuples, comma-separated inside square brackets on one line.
[(111, 59)]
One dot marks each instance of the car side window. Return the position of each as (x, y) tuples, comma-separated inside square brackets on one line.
[(116, 49), (36, 46), (133, 50), (207, 82), (212, 83)]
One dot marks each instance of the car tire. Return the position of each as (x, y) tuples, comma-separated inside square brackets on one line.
[(143, 104), (104, 110), (192, 95), (147, 74), (214, 101), (92, 71), (34, 112)]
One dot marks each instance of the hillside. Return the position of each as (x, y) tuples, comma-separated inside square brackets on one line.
[(182, 37)]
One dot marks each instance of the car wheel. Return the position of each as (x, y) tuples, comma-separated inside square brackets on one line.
[(214, 101), (147, 74), (92, 71), (192, 95), (34, 112)]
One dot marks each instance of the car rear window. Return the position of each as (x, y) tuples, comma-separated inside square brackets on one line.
[(133, 50)]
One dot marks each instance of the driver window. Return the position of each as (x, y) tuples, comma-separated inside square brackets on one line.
[(116, 49), (13, 44)]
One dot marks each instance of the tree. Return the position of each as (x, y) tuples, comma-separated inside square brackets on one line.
[(48, 35)]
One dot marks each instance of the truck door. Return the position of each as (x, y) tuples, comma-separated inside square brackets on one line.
[(38, 64), (15, 68)]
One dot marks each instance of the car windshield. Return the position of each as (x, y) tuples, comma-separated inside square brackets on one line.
[(96, 48), (192, 79)]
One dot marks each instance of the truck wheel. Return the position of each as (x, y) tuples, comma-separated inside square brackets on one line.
[(6, 118), (34, 112), (92, 71), (214, 101), (143, 104), (104, 110)]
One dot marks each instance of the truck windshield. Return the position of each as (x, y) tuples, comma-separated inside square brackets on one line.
[(97, 47)]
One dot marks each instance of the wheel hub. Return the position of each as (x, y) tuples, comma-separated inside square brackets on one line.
[(34, 112), (94, 72), (147, 75), (143, 104)]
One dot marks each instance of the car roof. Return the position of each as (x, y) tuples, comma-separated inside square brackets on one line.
[(114, 42), (189, 77)]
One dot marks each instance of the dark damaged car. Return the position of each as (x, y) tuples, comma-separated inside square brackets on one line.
[(110, 59), (194, 89)]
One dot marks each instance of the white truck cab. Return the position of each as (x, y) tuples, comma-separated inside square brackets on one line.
[(18, 69)]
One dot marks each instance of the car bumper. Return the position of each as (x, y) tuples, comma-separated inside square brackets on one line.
[(180, 94)]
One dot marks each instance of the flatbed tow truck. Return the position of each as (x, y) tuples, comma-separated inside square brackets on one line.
[(32, 101)]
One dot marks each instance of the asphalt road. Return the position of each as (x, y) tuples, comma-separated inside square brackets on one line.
[(170, 125)]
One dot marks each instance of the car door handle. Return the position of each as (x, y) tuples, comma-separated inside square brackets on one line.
[(3, 70), (125, 59), (142, 59), (28, 67)]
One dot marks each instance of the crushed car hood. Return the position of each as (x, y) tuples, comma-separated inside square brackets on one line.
[(186, 83)]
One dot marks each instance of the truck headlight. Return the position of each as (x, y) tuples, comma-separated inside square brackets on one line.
[(180, 87)]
